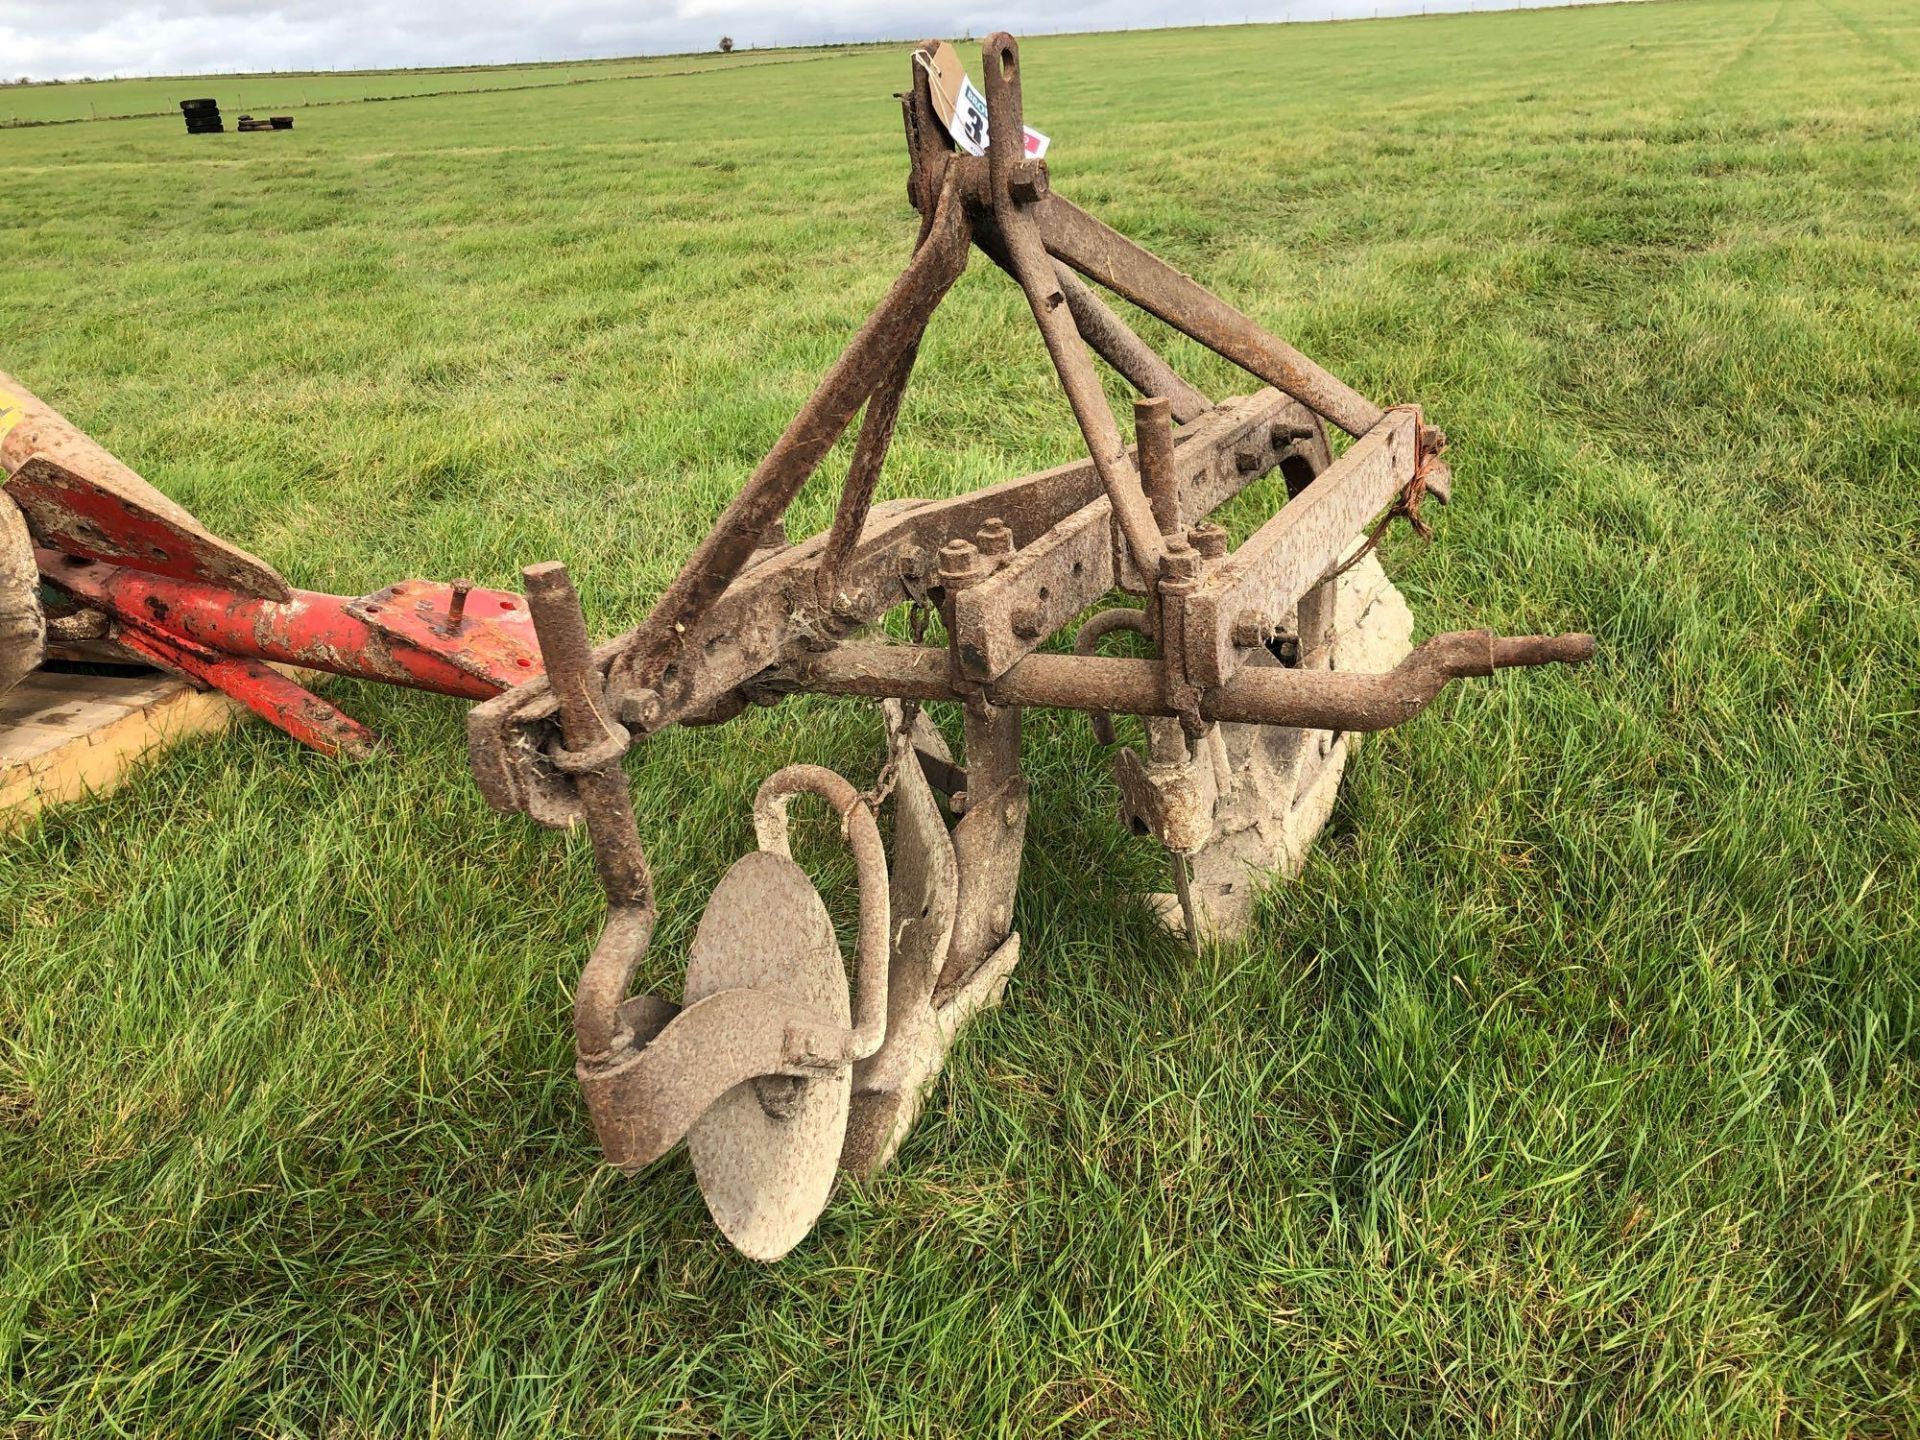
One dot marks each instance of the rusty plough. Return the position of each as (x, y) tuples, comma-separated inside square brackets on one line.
[(1268, 662)]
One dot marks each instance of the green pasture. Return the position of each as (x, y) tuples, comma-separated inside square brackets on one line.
[(1574, 1089), (293, 91)]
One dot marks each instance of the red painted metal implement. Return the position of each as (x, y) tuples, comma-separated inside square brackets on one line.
[(1267, 663), (113, 547)]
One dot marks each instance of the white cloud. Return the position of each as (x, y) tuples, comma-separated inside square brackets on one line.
[(64, 39)]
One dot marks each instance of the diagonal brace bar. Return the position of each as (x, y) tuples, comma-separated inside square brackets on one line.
[(1135, 273), (1034, 271), (866, 362)]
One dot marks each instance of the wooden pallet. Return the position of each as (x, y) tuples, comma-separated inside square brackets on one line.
[(66, 736)]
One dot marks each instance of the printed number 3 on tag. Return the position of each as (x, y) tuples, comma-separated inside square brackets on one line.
[(970, 119), (969, 124)]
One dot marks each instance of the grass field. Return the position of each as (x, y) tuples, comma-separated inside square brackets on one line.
[(295, 91), (1575, 1090)]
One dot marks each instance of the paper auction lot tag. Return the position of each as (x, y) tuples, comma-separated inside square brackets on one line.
[(963, 109)]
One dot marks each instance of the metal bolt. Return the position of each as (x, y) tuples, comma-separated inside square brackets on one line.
[(1028, 181), (960, 564), (995, 539), (1209, 539), (643, 708), (1181, 564), (457, 603), (1285, 433), (1248, 458), (1251, 628), (1027, 622), (779, 1095), (913, 566), (1159, 477)]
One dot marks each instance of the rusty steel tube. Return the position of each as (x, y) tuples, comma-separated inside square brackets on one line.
[(607, 804), (1137, 274), (1114, 342), (863, 474), (1086, 641), (1256, 695), (869, 359), (869, 458), (1135, 361), (1153, 444), (1035, 273)]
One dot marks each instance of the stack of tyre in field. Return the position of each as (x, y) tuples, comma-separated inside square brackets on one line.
[(272, 122), (203, 117)]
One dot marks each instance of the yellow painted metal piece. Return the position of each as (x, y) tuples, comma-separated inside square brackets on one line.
[(13, 409)]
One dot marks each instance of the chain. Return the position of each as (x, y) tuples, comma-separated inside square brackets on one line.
[(901, 747)]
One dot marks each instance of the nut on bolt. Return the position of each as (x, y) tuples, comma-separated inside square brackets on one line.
[(1028, 181), (994, 538), (1251, 628), (642, 709), (1209, 539), (1181, 564), (1027, 622), (961, 564)]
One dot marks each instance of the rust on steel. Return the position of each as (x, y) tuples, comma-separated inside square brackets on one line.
[(770, 1071), (1138, 362), (1015, 190), (1281, 561), (723, 633), (1265, 665), (771, 609), (1299, 698), (867, 360), (1105, 255)]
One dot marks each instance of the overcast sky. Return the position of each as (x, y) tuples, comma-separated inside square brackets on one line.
[(63, 39)]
